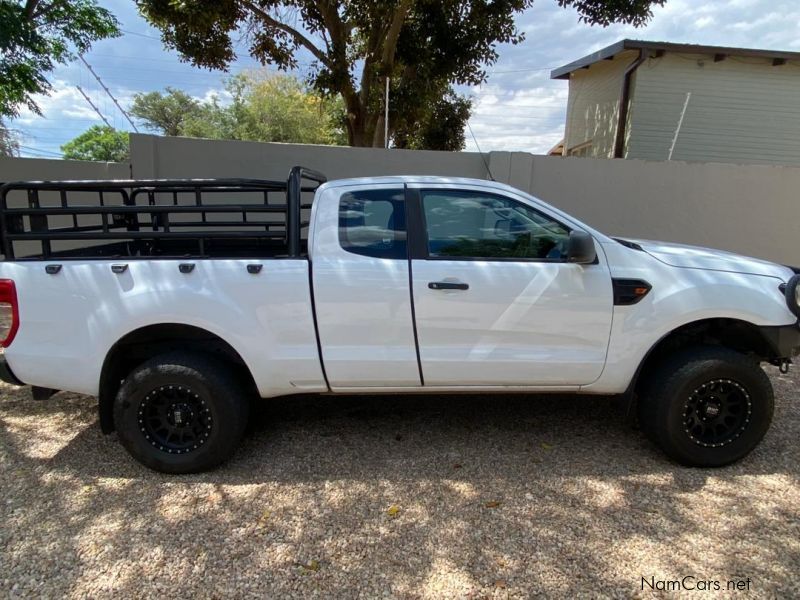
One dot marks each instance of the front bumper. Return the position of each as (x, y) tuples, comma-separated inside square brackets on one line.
[(6, 374), (784, 340)]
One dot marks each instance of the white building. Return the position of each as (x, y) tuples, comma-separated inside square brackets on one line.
[(638, 99)]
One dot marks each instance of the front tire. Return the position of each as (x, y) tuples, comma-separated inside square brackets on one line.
[(181, 412), (707, 406)]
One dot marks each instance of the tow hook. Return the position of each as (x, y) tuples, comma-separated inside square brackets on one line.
[(784, 366)]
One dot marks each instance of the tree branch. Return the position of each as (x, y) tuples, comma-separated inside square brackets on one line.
[(390, 45), (296, 35), (367, 72), (339, 33), (30, 9)]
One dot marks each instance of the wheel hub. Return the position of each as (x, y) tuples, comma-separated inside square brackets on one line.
[(717, 413), (180, 414), (175, 419), (712, 410)]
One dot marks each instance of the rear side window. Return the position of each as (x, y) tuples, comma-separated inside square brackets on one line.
[(373, 223)]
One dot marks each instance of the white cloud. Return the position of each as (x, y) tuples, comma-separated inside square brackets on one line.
[(704, 21), (64, 100)]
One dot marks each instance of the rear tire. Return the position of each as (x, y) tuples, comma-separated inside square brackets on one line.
[(707, 406), (181, 412)]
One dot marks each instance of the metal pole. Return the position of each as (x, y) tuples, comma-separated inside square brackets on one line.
[(100, 81), (680, 124), (386, 116), (294, 192), (97, 110)]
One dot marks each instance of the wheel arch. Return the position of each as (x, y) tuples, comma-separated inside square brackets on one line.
[(140, 344), (736, 334)]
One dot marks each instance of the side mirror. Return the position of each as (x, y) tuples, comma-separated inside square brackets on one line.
[(581, 248)]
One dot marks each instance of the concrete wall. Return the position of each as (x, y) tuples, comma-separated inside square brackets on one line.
[(26, 169), (160, 157), (751, 209)]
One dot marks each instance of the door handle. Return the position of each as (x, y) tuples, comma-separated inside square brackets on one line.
[(448, 285)]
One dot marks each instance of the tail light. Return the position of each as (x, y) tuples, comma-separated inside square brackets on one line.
[(9, 312)]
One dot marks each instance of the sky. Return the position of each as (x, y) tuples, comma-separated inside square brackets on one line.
[(519, 108)]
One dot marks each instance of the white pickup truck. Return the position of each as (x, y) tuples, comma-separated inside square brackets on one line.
[(176, 302)]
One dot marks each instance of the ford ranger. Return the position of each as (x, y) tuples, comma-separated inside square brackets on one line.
[(176, 302)]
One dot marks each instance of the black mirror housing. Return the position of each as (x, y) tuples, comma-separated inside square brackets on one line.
[(581, 248)]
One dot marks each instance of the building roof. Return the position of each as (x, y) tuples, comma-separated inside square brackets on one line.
[(719, 52)]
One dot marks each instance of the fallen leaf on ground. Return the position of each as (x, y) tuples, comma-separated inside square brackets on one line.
[(312, 566), (500, 584), (492, 504), (546, 446), (264, 518), (393, 510)]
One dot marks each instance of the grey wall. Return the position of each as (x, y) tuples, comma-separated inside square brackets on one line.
[(160, 157), (27, 169), (751, 209)]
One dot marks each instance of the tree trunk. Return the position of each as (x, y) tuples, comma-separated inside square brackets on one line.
[(364, 130)]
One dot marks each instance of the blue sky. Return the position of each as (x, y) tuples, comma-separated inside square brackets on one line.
[(519, 108)]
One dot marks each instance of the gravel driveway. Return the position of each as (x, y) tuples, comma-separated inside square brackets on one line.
[(408, 497)]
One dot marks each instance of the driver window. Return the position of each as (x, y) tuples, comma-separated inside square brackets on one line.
[(467, 224)]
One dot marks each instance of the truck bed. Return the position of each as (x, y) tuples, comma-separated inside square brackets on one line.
[(177, 218)]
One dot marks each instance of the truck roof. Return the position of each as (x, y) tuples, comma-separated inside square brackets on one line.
[(402, 179)]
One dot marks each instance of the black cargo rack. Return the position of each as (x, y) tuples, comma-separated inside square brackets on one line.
[(129, 218)]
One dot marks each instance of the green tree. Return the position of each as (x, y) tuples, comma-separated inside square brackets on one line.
[(104, 144), (167, 113), (438, 126), (35, 35), (9, 144), (264, 107), (279, 108), (421, 45), (213, 121)]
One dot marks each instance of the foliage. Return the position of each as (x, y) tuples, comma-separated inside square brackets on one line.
[(35, 35), (606, 12), (167, 113), (440, 126), (279, 108), (421, 45), (9, 144), (104, 144), (264, 107)]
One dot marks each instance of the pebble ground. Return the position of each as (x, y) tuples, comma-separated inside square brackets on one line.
[(401, 497)]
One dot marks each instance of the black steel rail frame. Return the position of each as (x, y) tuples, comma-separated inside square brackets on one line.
[(136, 199)]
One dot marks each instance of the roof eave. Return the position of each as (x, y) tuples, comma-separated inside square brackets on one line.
[(602, 54), (610, 51)]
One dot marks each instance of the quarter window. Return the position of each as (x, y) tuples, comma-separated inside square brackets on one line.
[(373, 223), (466, 224)]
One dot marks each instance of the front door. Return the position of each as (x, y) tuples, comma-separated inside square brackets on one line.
[(496, 302)]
